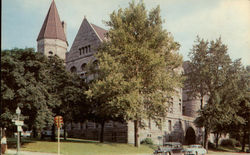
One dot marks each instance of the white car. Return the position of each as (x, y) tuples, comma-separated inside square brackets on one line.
[(24, 134), (195, 150)]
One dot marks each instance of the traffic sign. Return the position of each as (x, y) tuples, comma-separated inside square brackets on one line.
[(19, 128), (19, 123)]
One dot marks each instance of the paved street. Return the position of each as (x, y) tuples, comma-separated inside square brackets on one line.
[(13, 152)]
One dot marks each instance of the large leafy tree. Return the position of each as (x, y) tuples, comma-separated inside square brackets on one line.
[(68, 91), (24, 83), (141, 63), (240, 129), (40, 86), (217, 76)]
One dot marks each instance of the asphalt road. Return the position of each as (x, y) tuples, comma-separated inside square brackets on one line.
[(13, 152)]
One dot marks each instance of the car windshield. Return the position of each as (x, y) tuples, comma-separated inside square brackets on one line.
[(172, 145)]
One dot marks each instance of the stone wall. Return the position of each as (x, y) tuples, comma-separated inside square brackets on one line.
[(113, 131), (78, 55), (58, 47)]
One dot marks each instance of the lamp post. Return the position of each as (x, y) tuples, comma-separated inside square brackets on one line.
[(18, 112), (203, 137)]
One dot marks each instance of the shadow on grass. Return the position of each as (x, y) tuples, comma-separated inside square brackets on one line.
[(12, 142), (226, 149), (73, 140)]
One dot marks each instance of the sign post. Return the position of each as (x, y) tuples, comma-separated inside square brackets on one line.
[(19, 125), (59, 123)]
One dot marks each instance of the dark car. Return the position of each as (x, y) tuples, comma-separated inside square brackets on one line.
[(169, 148)]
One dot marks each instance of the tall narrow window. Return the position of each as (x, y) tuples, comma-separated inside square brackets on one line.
[(86, 49), (89, 48), (149, 123), (83, 67), (169, 125)]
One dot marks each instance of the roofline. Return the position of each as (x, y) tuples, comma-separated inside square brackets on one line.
[(94, 30)]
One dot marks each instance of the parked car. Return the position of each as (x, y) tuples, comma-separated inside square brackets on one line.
[(24, 134), (169, 148), (195, 150), (48, 133)]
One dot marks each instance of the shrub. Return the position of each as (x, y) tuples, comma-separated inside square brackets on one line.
[(147, 141), (230, 142)]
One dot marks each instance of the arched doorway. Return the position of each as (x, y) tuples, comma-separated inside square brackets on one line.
[(190, 136)]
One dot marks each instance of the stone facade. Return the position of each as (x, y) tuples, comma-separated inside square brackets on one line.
[(51, 47), (83, 48)]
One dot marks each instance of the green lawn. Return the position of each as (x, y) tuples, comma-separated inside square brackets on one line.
[(83, 147), (87, 147)]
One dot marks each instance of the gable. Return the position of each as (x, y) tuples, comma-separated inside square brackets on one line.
[(86, 35)]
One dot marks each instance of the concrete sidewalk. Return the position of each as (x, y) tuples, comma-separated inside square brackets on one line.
[(13, 152)]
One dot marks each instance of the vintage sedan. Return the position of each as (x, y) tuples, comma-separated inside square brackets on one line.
[(169, 148), (194, 150)]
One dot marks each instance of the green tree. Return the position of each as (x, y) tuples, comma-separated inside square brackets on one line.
[(217, 76), (68, 90), (240, 129), (143, 61), (103, 91), (41, 87), (24, 83)]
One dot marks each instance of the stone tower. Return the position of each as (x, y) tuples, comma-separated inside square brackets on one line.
[(52, 39)]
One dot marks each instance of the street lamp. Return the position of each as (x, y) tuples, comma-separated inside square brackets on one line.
[(18, 112), (203, 137)]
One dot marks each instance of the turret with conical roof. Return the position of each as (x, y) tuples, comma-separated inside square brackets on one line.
[(52, 38)]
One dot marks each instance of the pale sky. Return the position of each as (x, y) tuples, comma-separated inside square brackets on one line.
[(185, 19)]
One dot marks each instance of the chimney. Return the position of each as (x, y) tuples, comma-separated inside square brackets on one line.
[(64, 25)]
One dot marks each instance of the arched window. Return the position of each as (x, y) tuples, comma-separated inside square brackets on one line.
[(50, 53), (73, 69), (96, 63), (83, 67)]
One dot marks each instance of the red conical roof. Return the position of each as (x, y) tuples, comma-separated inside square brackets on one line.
[(52, 26)]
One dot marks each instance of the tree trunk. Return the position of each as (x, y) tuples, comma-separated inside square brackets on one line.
[(206, 138), (64, 132), (244, 141), (137, 142), (34, 133), (217, 140), (102, 132)]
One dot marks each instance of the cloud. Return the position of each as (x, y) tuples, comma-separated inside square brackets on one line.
[(228, 19)]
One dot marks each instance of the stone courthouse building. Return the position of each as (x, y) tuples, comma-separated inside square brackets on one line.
[(177, 126)]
